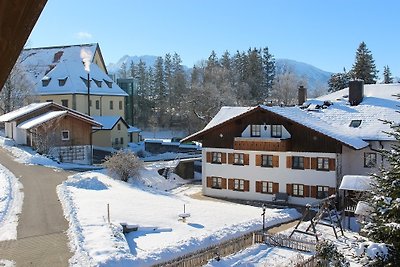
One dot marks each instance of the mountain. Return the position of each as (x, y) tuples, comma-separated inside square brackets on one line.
[(315, 77)]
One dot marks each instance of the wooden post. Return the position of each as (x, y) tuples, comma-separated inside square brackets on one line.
[(108, 212)]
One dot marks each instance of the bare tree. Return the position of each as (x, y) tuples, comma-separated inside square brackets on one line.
[(285, 88), (123, 165)]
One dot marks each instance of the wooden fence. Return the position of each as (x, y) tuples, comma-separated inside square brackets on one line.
[(292, 243)]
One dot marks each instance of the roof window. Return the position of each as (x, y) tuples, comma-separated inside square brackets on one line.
[(61, 82), (109, 84), (85, 81), (45, 81), (355, 123), (97, 82)]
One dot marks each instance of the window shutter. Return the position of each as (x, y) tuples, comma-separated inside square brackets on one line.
[(332, 165), (223, 157), (258, 160), (223, 180), (275, 188), (289, 162), (289, 188), (230, 158), (314, 191), (209, 180), (258, 186), (331, 190), (275, 161), (306, 162), (231, 184), (208, 156), (306, 190), (246, 185), (246, 159), (314, 163)]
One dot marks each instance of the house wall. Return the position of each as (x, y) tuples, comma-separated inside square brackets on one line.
[(102, 138), (8, 129), (106, 138), (253, 173)]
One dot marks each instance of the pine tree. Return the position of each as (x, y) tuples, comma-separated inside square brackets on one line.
[(364, 67), (385, 220), (123, 71), (387, 75), (338, 81), (268, 62)]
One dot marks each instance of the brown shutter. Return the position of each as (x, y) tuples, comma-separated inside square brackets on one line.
[(246, 185), (306, 190), (332, 165), (289, 162), (289, 188), (231, 158), (275, 188), (223, 183), (231, 184), (314, 191), (314, 163), (246, 159), (223, 157), (209, 180), (331, 190), (275, 161), (258, 160), (209, 156), (258, 186), (306, 162)]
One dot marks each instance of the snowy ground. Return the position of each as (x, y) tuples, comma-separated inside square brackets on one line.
[(161, 235), (7, 263)]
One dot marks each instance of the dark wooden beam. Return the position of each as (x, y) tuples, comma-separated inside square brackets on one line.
[(17, 18)]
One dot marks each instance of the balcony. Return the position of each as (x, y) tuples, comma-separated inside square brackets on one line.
[(260, 144)]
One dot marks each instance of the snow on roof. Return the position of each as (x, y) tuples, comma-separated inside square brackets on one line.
[(298, 115), (356, 183), (22, 111), (133, 129), (28, 124), (100, 83), (108, 122)]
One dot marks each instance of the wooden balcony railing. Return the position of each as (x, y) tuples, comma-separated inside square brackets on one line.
[(258, 144)]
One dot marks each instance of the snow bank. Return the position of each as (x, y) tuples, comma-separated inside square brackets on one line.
[(7, 263)]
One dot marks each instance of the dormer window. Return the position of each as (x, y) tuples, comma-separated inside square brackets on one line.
[(61, 82), (276, 131), (97, 82), (85, 81), (45, 81), (355, 123), (255, 130), (109, 84)]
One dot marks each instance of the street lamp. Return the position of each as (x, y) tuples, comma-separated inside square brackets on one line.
[(263, 219)]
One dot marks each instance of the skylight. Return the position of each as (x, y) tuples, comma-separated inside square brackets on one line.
[(355, 123)]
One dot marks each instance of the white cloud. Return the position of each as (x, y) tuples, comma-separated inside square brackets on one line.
[(84, 35)]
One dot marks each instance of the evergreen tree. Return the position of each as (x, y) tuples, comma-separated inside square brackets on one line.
[(225, 61), (385, 219), (387, 75), (364, 67), (133, 70), (269, 71), (123, 71), (338, 81)]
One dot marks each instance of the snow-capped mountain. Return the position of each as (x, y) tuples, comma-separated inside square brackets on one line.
[(114, 67)]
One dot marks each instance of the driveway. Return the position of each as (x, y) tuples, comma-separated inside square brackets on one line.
[(41, 238)]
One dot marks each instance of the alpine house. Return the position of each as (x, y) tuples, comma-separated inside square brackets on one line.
[(302, 152)]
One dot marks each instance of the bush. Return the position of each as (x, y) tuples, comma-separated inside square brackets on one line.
[(123, 164), (329, 255)]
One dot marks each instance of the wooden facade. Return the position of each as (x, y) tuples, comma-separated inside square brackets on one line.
[(261, 144)]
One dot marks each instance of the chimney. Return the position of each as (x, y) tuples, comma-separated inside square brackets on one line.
[(356, 92), (302, 95)]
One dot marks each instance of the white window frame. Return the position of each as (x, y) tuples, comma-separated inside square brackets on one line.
[(62, 135)]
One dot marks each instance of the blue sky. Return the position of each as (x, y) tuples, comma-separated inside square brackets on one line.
[(324, 33)]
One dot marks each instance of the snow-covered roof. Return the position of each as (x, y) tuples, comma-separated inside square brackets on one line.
[(28, 124), (76, 82), (22, 111), (356, 183), (108, 122), (133, 129)]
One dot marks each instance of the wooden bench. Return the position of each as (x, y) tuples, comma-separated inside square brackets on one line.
[(280, 197)]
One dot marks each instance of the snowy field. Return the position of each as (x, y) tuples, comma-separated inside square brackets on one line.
[(161, 236)]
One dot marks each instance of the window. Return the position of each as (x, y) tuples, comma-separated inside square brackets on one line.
[(85, 81), (266, 161), (111, 104), (322, 192), (64, 102), (109, 84), (45, 81), (297, 162), (65, 135), (61, 82), (255, 130), (298, 190), (120, 105), (97, 82), (97, 104), (323, 164), (355, 123), (266, 187), (122, 140), (118, 126), (238, 159), (276, 130), (216, 157), (369, 160), (238, 185), (216, 182), (116, 141)]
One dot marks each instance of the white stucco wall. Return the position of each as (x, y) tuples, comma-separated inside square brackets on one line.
[(266, 132)]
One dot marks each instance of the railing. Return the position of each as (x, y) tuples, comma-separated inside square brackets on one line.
[(242, 143), (292, 243)]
